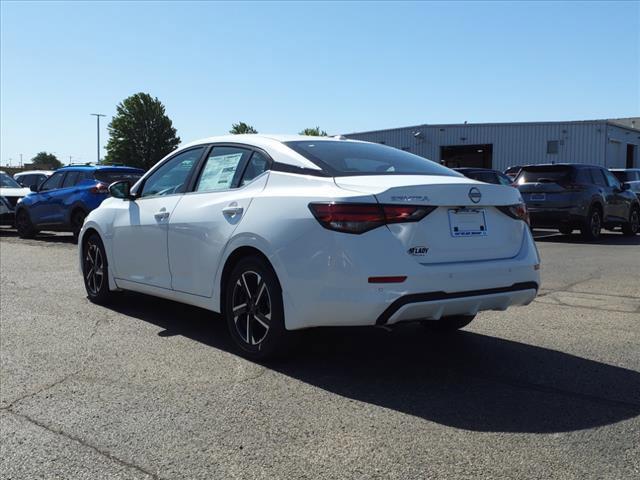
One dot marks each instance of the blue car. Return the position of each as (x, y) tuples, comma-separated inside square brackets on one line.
[(62, 202)]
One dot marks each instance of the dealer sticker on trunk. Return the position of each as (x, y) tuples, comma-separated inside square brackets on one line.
[(418, 251)]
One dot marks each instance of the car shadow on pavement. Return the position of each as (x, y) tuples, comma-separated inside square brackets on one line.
[(50, 237), (606, 238), (465, 380)]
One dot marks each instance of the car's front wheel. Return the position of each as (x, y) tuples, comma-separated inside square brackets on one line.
[(95, 270), (632, 227), (448, 324), (24, 226), (254, 311)]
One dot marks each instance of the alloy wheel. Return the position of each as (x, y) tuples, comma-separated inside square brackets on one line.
[(251, 308), (22, 221), (93, 268), (595, 224), (635, 222)]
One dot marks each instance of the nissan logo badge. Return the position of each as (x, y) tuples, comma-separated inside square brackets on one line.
[(474, 195)]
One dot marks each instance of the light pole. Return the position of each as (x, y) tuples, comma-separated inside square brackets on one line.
[(98, 115)]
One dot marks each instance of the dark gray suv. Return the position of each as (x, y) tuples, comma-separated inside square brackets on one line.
[(575, 196)]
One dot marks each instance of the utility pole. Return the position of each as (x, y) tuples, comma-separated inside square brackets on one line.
[(98, 115), (20, 160)]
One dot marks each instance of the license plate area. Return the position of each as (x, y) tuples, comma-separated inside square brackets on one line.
[(538, 197), (467, 222)]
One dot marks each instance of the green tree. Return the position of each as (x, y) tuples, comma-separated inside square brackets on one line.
[(46, 161), (242, 127), (314, 132), (140, 133)]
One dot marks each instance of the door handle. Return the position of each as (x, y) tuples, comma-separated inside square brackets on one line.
[(232, 211), (162, 214)]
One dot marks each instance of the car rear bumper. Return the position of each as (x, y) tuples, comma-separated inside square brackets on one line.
[(333, 288), (555, 217), (435, 305)]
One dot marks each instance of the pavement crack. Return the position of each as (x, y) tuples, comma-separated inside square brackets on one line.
[(566, 288), (86, 444), (40, 390)]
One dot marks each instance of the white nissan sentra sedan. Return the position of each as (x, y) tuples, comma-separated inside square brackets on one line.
[(280, 233)]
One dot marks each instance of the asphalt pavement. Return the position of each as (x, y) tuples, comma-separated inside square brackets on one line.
[(149, 388)]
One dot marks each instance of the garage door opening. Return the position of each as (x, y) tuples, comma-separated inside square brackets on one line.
[(630, 155), (472, 156)]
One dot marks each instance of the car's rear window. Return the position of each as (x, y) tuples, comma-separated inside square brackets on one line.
[(487, 177), (340, 158), (7, 182), (626, 176), (545, 174), (110, 176)]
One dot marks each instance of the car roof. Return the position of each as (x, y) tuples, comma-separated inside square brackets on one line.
[(31, 172), (275, 144), (264, 138), (91, 168), (625, 169), (472, 169), (576, 165)]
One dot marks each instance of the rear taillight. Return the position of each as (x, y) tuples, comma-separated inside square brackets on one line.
[(100, 188), (362, 217), (519, 212)]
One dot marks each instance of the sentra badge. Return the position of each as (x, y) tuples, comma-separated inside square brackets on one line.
[(410, 198)]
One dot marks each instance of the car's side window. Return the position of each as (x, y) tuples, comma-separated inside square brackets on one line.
[(26, 180), (503, 179), (172, 177), (70, 180), (257, 165), (612, 181), (598, 178), (222, 169), (53, 182)]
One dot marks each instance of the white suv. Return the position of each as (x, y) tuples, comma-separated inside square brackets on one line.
[(10, 192)]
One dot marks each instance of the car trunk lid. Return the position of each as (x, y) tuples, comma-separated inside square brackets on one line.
[(465, 226)]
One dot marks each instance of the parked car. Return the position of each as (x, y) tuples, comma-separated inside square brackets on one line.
[(486, 175), (10, 193), (512, 172), (63, 201), (284, 233), (32, 177), (575, 196), (629, 176)]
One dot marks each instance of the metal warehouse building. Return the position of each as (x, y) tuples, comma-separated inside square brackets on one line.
[(610, 143)]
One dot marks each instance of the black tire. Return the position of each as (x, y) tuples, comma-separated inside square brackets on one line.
[(448, 324), (95, 270), (566, 230), (23, 224), (77, 220), (632, 227), (592, 226), (255, 320)]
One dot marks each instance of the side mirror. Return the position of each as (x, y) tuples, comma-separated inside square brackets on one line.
[(33, 188), (625, 186), (121, 190)]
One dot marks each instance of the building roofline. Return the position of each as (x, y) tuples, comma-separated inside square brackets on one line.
[(494, 124)]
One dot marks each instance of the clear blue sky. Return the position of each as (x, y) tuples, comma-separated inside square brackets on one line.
[(284, 66)]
